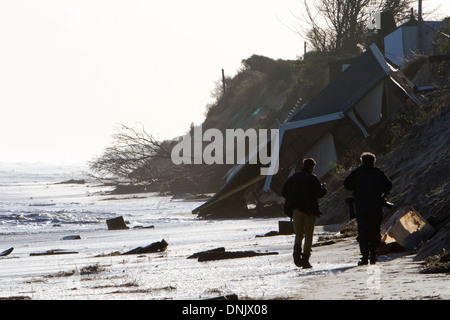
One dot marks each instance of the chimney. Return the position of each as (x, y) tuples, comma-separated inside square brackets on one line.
[(419, 12), (420, 26)]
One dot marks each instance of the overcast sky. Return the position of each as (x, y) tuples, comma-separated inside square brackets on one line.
[(71, 71)]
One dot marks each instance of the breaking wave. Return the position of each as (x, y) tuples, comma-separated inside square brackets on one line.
[(54, 218)]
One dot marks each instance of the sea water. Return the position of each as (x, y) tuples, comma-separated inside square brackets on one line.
[(37, 211), (34, 198)]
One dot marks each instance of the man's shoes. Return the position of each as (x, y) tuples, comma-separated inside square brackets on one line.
[(301, 259), (363, 262), (298, 261), (306, 264), (373, 259)]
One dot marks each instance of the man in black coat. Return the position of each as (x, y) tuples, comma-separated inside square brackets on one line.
[(302, 190), (368, 184)]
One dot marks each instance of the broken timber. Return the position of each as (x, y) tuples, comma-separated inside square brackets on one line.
[(53, 252), (198, 254), (158, 246), (408, 228), (116, 224), (6, 252), (211, 256)]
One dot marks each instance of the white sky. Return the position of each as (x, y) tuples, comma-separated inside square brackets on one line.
[(71, 71)]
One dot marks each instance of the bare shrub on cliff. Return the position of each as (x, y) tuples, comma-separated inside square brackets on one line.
[(135, 156)]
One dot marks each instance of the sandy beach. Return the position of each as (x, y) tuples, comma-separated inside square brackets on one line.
[(94, 274), (37, 212)]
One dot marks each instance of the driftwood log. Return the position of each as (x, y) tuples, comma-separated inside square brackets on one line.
[(53, 252), (6, 252), (231, 255), (158, 246), (198, 254)]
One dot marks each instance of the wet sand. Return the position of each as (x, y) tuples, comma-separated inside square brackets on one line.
[(97, 272)]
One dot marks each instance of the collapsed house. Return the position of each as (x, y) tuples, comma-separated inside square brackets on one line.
[(341, 117), (411, 37)]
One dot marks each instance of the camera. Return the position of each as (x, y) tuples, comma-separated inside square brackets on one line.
[(386, 203)]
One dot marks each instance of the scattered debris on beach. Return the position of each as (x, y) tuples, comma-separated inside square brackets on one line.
[(116, 224), (53, 252), (324, 243), (437, 264), (72, 237), (221, 254), (198, 254), (407, 227), (119, 223), (6, 252), (123, 198), (144, 227), (269, 234), (158, 246)]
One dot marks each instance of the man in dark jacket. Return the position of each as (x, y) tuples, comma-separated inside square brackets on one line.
[(368, 184), (303, 189)]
